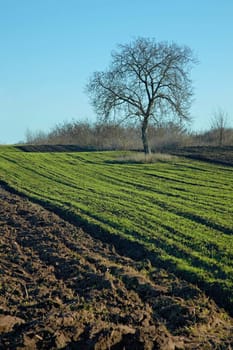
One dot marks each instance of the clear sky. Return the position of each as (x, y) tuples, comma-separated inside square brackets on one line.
[(49, 49)]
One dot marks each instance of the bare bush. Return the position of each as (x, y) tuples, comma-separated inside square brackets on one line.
[(109, 136), (219, 125)]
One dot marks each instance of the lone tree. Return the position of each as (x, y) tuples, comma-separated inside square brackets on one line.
[(147, 81)]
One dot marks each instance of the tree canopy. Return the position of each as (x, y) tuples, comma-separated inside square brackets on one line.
[(146, 81)]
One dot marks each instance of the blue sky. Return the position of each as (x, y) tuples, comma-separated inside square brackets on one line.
[(49, 49)]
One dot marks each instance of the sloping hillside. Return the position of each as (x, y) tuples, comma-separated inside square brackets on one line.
[(62, 289)]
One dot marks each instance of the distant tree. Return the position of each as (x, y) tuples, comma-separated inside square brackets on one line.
[(146, 81), (37, 137), (219, 125)]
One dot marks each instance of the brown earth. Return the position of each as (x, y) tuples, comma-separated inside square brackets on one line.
[(54, 148), (219, 155), (62, 289)]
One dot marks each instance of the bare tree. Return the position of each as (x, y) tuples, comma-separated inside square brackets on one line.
[(219, 124), (146, 81)]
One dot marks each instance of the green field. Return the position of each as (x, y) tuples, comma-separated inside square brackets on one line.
[(180, 211)]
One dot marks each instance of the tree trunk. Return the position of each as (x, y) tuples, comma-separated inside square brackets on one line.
[(220, 136), (145, 142)]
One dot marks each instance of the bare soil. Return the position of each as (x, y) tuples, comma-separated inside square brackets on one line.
[(54, 148), (62, 289), (219, 155)]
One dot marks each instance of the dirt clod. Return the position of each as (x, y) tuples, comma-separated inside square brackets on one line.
[(62, 289)]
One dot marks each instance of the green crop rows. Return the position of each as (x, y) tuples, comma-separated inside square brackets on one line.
[(180, 211)]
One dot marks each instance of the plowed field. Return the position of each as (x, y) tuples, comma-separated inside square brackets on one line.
[(62, 289), (218, 155)]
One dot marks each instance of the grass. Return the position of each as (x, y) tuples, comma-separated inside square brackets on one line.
[(142, 158), (180, 211)]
